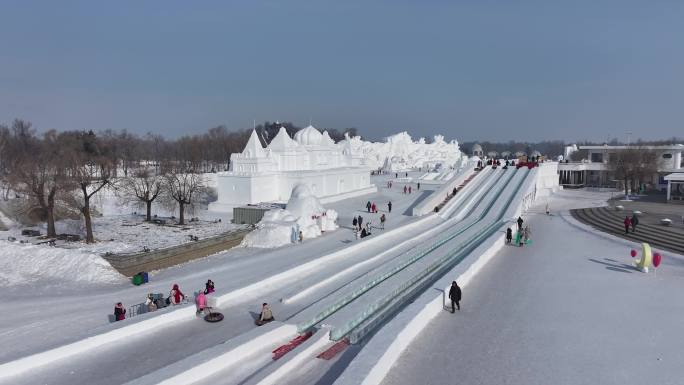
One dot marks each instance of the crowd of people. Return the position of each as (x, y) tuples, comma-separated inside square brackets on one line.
[(522, 235), (176, 297)]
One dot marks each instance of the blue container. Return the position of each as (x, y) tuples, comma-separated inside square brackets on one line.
[(146, 277)]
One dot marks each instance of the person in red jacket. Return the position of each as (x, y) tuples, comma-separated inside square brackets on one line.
[(119, 312), (627, 222), (176, 295)]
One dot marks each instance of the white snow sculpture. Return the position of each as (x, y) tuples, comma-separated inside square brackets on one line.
[(303, 213), (330, 169)]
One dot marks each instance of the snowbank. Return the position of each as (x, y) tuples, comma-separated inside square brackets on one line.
[(25, 264), (304, 213)]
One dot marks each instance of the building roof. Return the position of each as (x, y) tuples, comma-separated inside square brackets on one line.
[(308, 136), (282, 141), (253, 148), (607, 147), (675, 177), (326, 140)]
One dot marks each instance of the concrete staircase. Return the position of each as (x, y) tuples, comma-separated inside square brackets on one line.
[(611, 221)]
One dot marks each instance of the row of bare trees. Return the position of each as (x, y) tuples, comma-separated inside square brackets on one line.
[(59, 172), (633, 166)]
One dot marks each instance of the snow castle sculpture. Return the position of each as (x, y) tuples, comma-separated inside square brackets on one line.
[(328, 169), (269, 174)]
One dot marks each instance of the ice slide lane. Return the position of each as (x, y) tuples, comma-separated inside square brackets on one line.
[(409, 259), (192, 335), (233, 375), (374, 316), (264, 374), (465, 203)]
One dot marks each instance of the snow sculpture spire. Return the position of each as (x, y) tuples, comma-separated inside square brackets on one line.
[(253, 148), (282, 141)]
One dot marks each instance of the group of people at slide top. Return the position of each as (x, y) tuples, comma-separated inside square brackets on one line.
[(522, 236), (633, 221)]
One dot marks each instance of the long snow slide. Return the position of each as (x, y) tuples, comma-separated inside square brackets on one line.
[(183, 316), (381, 351), (338, 315)]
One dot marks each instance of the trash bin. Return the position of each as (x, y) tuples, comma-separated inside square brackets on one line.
[(144, 276), (137, 279)]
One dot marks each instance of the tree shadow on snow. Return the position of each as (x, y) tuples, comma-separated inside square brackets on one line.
[(621, 267)]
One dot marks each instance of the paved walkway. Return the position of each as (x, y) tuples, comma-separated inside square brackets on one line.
[(567, 310)]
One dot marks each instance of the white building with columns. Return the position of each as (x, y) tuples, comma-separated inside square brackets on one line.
[(595, 170), (259, 174)]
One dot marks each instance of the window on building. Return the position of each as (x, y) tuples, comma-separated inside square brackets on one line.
[(597, 157), (667, 156)]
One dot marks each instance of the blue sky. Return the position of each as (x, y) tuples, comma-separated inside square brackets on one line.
[(485, 70)]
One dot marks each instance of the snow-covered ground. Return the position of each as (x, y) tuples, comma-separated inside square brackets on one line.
[(567, 310), (77, 310), (127, 233)]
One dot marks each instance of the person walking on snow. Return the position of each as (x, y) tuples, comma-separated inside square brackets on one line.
[(119, 312), (509, 236), (520, 223), (418, 186), (355, 223), (368, 206), (360, 222), (374, 208), (635, 222), (455, 297), (389, 206), (409, 189), (404, 189), (382, 221), (627, 222)]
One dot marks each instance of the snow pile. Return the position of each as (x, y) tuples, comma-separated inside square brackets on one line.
[(400, 152), (26, 264), (303, 213)]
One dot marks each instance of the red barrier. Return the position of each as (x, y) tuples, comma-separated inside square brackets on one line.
[(282, 350), (333, 350)]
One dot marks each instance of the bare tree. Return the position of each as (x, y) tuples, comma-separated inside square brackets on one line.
[(90, 169), (144, 186), (5, 161), (39, 173), (632, 166), (184, 187)]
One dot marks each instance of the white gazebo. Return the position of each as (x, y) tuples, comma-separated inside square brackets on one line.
[(675, 186)]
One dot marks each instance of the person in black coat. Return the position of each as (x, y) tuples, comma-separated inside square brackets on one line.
[(520, 223), (355, 223), (389, 206), (455, 296), (635, 222), (360, 221), (368, 206), (509, 236)]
